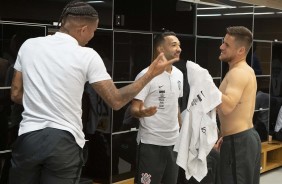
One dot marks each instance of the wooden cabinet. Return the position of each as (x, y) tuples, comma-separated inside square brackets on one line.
[(271, 155)]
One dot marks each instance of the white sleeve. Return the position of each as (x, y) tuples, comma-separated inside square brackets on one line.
[(96, 69)]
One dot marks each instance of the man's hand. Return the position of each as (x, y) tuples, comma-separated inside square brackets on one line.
[(138, 109), (159, 65)]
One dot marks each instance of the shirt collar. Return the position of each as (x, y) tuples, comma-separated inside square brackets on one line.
[(66, 36)]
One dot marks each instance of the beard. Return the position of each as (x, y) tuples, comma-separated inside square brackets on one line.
[(225, 59), (169, 57)]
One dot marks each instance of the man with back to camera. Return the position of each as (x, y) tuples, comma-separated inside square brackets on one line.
[(49, 78), (157, 108), (241, 146)]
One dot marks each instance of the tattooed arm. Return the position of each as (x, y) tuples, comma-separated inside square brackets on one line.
[(117, 98)]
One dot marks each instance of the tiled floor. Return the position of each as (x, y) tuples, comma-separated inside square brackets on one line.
[(272, 177)]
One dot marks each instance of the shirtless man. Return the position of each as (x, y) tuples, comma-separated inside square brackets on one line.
[(240, 149)]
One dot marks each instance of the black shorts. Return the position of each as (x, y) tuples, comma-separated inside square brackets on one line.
[(240, 158), (156, 164), (46, 156)]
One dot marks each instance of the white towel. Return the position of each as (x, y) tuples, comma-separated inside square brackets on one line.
[(278, 124), (199, 128)]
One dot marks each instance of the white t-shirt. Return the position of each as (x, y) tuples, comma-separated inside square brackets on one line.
[(55, 69), (163, 91)]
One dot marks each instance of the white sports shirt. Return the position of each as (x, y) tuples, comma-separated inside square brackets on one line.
[(55, 69), (163, 91)]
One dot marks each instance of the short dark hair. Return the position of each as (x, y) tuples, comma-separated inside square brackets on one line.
[(160, 38), (79, 9), (241, 34)]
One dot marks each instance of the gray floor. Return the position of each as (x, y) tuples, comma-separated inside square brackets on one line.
[(272, 177)]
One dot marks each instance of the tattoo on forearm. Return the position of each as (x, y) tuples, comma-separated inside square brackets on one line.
[(117, 98)]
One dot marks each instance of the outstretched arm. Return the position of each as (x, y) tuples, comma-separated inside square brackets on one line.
[(117, 98)]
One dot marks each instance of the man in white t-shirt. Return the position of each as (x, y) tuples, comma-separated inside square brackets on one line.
[(157, 108), (50, 74)]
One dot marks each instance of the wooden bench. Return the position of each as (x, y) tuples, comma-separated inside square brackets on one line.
[(271, 155)]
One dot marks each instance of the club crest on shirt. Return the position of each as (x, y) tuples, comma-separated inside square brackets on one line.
[(146, 178), (179, 85)]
